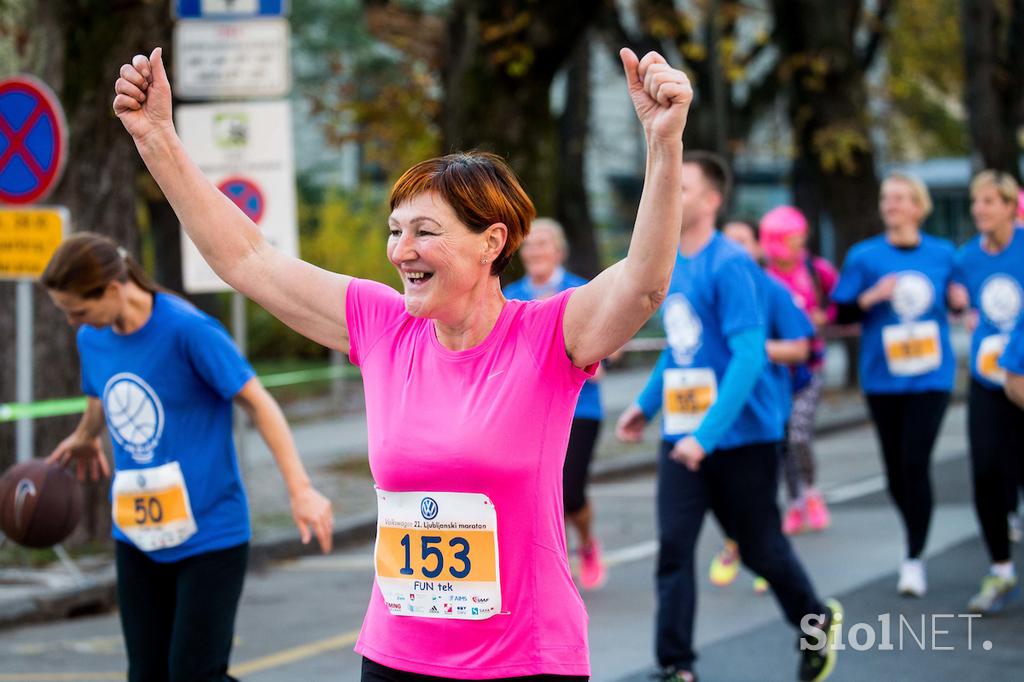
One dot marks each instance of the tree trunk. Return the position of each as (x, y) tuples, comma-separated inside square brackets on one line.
[(828, 113), (77, 48), (992, 94), (502, 58), (573, 207)]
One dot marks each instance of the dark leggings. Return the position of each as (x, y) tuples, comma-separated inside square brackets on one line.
[(582, 438), (178, 618), (375, 672), (995, 427), (739, 486), (907, 425)]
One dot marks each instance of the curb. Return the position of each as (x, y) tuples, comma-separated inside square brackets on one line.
[(100, 593)]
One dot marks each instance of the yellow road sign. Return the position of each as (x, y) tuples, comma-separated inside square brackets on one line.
[(28, 238)]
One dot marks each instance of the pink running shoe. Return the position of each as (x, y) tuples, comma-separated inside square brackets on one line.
[(592, 570), (793, 522), (818, 517)]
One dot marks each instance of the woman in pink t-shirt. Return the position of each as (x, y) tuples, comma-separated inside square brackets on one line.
[(810, 279), (469, 397)]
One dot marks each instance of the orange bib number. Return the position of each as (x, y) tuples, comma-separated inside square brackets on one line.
[(151, 507), (688, 395), (989, 352), (437, 554), (912, 348)]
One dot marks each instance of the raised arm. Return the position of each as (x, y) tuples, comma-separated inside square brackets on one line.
[(308, 299), (606, 312)]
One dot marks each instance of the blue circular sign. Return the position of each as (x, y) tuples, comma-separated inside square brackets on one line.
[(33, 140)]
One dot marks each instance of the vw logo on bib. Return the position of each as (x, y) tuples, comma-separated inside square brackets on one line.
[(134, 414), (428, 508)]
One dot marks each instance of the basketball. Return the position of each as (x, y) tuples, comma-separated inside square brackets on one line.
[(40, 503)]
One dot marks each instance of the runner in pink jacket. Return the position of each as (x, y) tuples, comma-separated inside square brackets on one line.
[(810, 279)]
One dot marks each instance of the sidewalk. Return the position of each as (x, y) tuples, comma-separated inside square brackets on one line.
[(334, 452)]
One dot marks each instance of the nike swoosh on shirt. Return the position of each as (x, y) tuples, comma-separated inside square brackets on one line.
[(494, 374)]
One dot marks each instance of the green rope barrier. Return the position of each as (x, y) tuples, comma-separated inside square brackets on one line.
[(10, 412)]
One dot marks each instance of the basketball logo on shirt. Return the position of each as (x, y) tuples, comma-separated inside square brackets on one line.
[(913, 295), (135, 415), (1001, 301), (683, 328)]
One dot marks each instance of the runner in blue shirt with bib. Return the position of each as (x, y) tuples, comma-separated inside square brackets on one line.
[(990, 275), (721, 431), (896, 286), (543, 253), (161, 376)]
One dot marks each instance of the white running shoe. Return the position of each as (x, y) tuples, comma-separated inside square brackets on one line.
[(913, 582)]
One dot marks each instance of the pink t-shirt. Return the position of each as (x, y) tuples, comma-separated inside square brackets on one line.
[(800, 283), (493, 419)]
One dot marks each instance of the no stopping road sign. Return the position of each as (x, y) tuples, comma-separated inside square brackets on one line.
[(33, 140)]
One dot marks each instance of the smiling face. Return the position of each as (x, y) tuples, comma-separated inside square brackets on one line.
[(991, 212), (541, 254), (898, 205), (438, 257), (95, 312)]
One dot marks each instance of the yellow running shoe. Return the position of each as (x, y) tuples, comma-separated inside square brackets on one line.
[(818, 646), (726, 564)]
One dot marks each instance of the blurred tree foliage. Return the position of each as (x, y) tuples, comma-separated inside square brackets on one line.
[(924, 81), (726, 48), (362, 90)]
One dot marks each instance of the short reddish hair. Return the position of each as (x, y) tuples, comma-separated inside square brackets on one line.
[(480, 188)]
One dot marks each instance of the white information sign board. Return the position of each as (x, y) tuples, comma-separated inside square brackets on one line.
[(245, 148), (231, 59)]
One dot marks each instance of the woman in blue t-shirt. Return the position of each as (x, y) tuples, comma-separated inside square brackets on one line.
[(990, 276), (895, 285), (162, 376), (543, 253)]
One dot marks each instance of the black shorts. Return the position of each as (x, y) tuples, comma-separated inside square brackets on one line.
[(582, 439)]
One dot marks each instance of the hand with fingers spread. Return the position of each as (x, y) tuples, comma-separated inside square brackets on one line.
[(661, 94), (313, 515), (143, 99), (85, 453)]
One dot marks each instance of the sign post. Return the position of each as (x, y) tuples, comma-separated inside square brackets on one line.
[(28, 238), (33, 144)]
